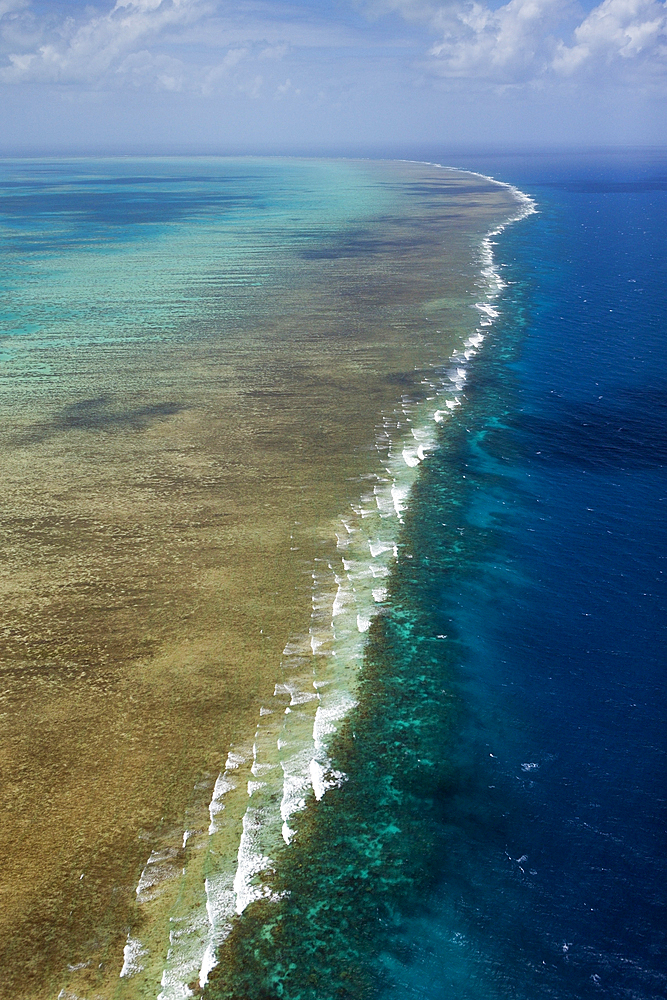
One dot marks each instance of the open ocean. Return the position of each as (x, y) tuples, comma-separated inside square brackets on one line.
[(488, 820)]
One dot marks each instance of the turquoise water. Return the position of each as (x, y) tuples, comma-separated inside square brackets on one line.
[(121, 251), (501, 832)]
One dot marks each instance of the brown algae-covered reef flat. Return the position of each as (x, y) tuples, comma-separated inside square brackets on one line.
[(208, 365)]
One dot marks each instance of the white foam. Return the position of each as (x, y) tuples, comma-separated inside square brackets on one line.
[(296, 782), (133, 951), (384, 501), (182, 964), (476, 340), (379, 547), (234, 760), (250, 863), (173, 988), (323, 778), (298, 696), (317, 772), (216, 805), (220, 900), (411, 457), (339, 602), (379, 571), (220, 909), (156, 872), (363, 623), (208, 963), (339, 705)]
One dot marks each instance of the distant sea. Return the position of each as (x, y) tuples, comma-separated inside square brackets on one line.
[(502, 830)]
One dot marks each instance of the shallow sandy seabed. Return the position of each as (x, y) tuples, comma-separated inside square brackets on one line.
[(161, 513)]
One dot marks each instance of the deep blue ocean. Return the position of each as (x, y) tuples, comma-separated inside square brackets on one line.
[(553, 882)]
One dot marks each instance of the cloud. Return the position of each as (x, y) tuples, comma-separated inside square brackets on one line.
[(529, 40), (213, 75), (617, 32), (88, 51), (10, 6), (285, 88), (161, 72), (207, 46), (199, 46), (513, 43), (274, 52)]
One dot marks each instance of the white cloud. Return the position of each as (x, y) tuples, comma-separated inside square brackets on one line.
[(144, 4), (196, 45), (530, 40), (12, 17), (203, 46), (162, 72), (213, 75), (86, 52), (515, 42), (274, 52), (10, 6), (252, 87), (283, 89), (615, 32)]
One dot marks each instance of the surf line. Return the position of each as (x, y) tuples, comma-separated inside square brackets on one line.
[(266, 782)]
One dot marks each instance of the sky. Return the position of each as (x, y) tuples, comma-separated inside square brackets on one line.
[(318, 76)]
